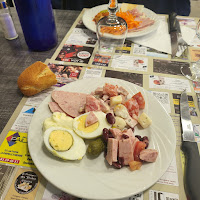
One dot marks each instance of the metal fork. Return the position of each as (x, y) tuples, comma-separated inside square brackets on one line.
[(182, 45)]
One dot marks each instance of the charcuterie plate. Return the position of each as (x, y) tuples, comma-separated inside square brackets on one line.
[(89, 15), (94, 178)]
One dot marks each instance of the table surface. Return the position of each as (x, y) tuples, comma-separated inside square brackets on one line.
[(15, 57)]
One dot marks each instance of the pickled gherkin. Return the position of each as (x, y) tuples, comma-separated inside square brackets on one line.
[(96, 147)]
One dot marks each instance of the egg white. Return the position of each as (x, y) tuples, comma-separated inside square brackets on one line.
[(96, 132), (76, 151), (58, 119)]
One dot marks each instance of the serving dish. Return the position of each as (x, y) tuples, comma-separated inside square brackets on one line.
[(90, 24), (94, 178)]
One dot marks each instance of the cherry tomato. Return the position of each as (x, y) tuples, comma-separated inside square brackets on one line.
[(140, 99), (132, 106), (138, 148)]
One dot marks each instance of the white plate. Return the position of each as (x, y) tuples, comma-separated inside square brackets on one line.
[(95, 179), (90, 14)]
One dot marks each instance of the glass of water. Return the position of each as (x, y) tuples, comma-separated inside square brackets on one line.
[(111, 30)]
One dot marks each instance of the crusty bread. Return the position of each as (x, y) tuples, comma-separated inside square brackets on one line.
[(35, 78)]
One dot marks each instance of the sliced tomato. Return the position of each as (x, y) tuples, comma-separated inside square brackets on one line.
[(139, 146), (140, 99), (132, 107), (110, 90)]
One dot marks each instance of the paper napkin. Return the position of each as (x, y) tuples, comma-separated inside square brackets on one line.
[(160, 39)]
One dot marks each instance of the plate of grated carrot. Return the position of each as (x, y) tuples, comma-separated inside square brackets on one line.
[(140, 20)]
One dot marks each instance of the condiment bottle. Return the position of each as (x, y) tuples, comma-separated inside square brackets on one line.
[(38, 24), (7, 22)]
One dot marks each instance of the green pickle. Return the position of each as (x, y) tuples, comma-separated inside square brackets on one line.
[(96, 147)]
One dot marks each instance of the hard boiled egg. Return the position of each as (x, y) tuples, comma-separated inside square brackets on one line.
[(58, 119), (93, 130), (64, 143)]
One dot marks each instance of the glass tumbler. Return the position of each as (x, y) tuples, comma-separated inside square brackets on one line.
[(111, 30), (38, 24)]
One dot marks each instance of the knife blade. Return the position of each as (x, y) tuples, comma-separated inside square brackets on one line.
[(191, 152), (173, 31)]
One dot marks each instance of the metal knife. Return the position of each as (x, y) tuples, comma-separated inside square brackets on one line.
[(191, 151), (174, 28)]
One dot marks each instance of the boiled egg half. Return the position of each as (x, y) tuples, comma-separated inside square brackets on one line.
[(93, 130), (64, 143), (58, 119)]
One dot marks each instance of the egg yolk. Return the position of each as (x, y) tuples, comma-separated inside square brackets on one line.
[(60, 140), (89, 129)]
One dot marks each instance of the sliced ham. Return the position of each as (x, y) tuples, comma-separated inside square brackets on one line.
[(122, 91), (130, 134), (110, 90), (105, 97), (104, 106), (116, 133), (90, 119), (54, 107), (70, 102), (126, 150), (131, 122), (148, 155), (144, 23), (136, 12), (112, 149), (99, 91), (92, 104)]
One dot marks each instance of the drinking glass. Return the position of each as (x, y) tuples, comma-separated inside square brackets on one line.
[(111, 30), (194, 66)]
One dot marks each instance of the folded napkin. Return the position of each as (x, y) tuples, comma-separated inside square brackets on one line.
[(160, 39)]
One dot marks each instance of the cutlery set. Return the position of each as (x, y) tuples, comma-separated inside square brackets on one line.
[(189, 145), (191, 152)]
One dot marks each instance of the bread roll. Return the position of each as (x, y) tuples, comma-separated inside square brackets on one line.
[(35, 78)]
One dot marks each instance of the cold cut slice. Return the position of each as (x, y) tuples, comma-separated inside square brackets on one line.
[(54, 107), (116, 133), (70, 102), (126, 150), (112, 149), (92, 104), (148, 155), (90, 119)]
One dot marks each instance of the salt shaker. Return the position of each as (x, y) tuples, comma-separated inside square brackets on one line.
[(7, 22)]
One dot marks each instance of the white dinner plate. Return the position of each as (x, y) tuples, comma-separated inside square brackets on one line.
[(94, 178), (90, 24)]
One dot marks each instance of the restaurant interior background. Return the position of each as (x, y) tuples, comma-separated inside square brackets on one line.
[(73, 5), (63, 4)]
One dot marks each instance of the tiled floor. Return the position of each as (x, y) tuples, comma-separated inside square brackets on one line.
[(195, 8)]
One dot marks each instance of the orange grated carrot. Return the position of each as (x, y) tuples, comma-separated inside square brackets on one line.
[(129, 18), (119, 30), (112, 4)]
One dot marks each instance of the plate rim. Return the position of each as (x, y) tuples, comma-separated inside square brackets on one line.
[(133, 193), (129, 35)]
